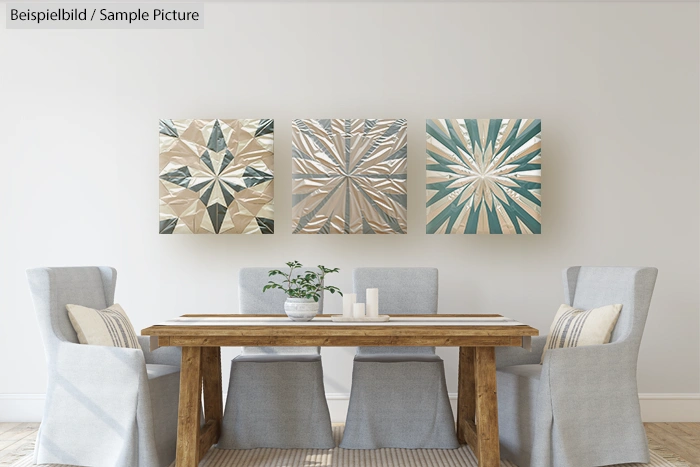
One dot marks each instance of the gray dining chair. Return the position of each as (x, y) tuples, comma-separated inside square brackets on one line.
[(399, 396), (276, 397), (106, 406), (580, 407)]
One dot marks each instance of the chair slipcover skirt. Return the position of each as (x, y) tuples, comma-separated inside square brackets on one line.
[(399, 401), (276, 401), (399, 395), (544, 426), (518, 390)]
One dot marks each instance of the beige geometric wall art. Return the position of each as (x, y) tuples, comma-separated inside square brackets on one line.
[(216, 176), (484, 176), (349, 176)]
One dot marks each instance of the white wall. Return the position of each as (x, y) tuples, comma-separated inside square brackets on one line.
[(615, 84)]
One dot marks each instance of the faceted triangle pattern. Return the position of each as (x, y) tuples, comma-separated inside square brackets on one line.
[(216, 176)]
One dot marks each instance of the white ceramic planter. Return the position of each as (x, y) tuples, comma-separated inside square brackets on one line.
[(301, 309)]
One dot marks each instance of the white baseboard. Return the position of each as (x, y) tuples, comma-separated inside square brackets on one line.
[(338, 405), (21, 407), (674, 407), (656, 407)]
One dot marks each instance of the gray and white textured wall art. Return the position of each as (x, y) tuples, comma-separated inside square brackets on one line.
[(349, 176)]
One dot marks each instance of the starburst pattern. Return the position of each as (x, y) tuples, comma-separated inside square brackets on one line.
[(349, 176), (484, 176), (216, 176)]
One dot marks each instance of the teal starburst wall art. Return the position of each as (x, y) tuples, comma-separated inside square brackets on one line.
[(484, 176)]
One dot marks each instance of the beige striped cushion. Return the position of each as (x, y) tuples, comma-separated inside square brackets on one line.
[(573, 327), (110, 327)]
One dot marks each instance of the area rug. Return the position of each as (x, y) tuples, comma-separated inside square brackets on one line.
[(462, 457)]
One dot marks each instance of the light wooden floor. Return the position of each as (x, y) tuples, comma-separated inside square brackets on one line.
[(682, 439)]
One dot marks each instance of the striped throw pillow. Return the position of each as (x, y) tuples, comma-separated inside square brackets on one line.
[(110, 327), (573, 327)]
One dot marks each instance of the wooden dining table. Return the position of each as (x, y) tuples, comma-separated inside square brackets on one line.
[(202, 336)]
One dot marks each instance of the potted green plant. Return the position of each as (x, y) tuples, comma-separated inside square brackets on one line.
[(303, 289)]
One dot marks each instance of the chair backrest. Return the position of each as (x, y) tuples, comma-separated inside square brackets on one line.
[(404, 291), (253, 301), (54, 288), (591, 287)]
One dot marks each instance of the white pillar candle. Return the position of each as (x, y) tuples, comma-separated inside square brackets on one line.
[(358, 310), (349, 300), (372, 303)]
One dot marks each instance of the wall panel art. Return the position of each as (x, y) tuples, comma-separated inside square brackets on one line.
[(349, 176), (484, 176), (216, 176)]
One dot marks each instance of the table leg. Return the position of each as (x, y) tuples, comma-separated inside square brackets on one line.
[(486, 407), (213, 399), (189, 410), (477, 409), (466, 398)]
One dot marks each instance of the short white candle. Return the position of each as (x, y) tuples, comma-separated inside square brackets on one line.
[(349, 300), (358, 310), (372, 303)]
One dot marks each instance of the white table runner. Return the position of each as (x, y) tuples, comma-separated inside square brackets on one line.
[(325, 320)]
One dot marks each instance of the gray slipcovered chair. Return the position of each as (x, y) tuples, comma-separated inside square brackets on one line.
[(399, 395), (580, 408), (105, 406), (276, 397)]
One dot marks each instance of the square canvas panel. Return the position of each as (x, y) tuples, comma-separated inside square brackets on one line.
[(216, 176), (349, 176), (484, 176)]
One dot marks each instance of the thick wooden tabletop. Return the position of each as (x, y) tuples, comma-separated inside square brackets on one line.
[(442, 330)]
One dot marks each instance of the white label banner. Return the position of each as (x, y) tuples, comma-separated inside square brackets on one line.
[(105, 16)]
